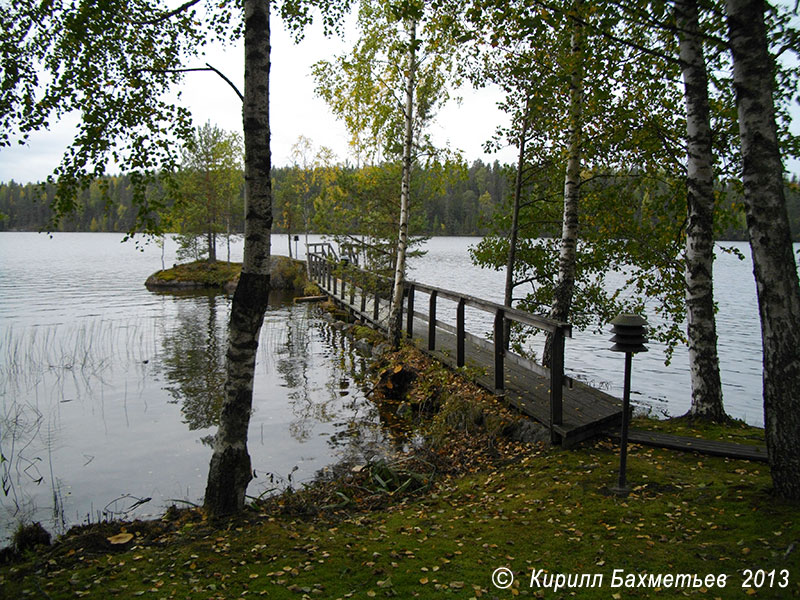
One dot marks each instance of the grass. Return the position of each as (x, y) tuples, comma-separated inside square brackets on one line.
[(734, 431), (285, 274), (492, 504)]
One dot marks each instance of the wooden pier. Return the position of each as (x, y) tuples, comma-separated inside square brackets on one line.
[(572, 410)]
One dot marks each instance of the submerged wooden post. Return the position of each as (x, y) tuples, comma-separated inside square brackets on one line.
[(432, 322), (460, 333), (556, 382), (410, 316), (499, 351)]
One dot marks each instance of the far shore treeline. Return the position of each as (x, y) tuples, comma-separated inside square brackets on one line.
[(456, 200)]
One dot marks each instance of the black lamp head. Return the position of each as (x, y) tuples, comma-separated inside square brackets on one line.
[(630, 333)]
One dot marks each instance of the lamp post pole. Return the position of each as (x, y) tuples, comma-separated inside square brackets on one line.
[(629, 337)]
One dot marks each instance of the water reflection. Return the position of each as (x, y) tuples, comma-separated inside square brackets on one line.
[(193, 361), (100, 414), (309, 408)]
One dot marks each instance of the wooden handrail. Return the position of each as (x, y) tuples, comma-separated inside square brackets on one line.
[(321, 267), (512, 314)]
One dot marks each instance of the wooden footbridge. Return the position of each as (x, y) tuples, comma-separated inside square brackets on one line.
[(572, 410)]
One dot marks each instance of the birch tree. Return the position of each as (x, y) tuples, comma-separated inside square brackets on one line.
[(116, 64), (387, 90), (565, 286), (774, 263), (594, 117), (701, 320)]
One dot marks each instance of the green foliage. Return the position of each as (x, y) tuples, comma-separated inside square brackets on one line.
[(365, 87), (629, 258), (115, 64), (207, 192), (111, 62)]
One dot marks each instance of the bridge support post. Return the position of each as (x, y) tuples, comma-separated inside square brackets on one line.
[(432, 322), (556, 383), (410, 315), (460, 333), (499, 352)]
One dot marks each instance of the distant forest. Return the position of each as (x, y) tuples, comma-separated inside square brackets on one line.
[(463, 202)]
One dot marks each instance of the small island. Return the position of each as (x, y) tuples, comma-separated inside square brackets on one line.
[(285, 274)]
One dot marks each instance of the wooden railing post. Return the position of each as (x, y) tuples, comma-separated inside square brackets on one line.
[(556, 382), (335, 283), (327, 274), (432, 322), (499, 352), (410, 315), (376, 306), (460, 333), (352, 293), (363, 300)]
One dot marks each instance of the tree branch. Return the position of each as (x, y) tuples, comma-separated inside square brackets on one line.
[(167, 15), (208, 67)]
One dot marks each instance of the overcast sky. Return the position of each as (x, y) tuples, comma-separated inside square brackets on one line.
[(294, 110)]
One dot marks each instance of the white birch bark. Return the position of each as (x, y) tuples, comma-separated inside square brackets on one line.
[(770, 241), (567, 258), (395, 312), (701, 321), (230, 471)]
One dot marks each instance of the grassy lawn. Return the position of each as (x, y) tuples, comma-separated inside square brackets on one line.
[(534, 510)]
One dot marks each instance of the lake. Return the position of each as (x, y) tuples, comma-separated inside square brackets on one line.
[(109, 391)]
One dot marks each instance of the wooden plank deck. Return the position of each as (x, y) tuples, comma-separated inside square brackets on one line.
[(587, 412), (691, 444)]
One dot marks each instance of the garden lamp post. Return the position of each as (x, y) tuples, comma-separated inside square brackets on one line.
[(629, 337)]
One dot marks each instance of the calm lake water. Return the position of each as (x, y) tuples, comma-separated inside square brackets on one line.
[(108, 391)]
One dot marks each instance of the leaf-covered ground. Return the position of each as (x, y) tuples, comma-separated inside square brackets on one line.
[(439, 523)]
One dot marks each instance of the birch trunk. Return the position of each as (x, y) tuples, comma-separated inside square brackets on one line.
[(701, 322), (230, 471), (396, 312), (562, 296), (512, 244), (770, 242)]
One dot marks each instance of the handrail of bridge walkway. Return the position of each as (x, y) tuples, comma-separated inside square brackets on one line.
[(332, 274)]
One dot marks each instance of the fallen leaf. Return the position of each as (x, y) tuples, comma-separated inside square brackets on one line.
[(120, 538)]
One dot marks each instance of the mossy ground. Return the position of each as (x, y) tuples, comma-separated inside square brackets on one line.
[(482, 503), (285, 274), (215, 274)]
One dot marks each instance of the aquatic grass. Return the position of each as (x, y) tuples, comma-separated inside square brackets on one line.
[(84, 350), (42, 367)]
